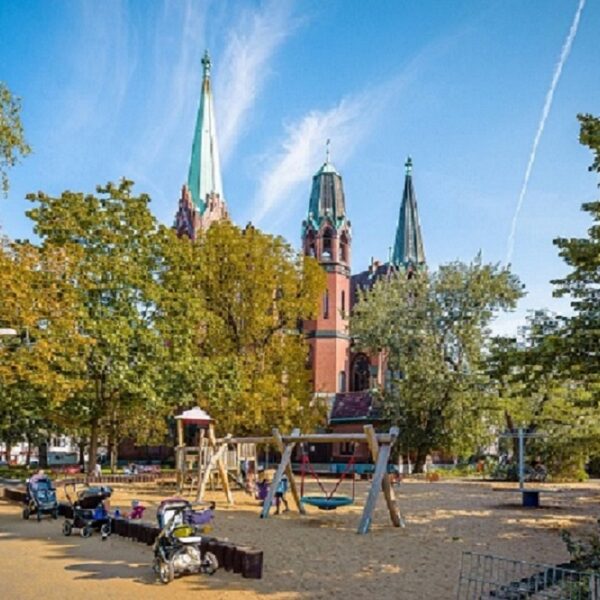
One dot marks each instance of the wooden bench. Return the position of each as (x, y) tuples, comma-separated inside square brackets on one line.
[(530, 496)]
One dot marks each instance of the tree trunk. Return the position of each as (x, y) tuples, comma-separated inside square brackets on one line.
[(93, 454), (114, 454), (43, 454), (421, 458), (28, 455), (81, 444), (9, 445)]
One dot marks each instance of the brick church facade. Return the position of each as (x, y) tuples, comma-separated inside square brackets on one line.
[(341, 376)]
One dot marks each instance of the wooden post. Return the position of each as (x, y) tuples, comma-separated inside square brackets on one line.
[(285, 459), (199, 470), (209, 469), (388, 491), (376, 484), (180, 456), (289, 472), (220, 466)]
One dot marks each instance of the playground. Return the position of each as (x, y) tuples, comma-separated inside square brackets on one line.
[(317, 555)]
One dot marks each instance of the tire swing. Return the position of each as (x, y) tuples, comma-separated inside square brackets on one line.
[(327, 500)]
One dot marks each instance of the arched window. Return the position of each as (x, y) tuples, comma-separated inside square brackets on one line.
[(344, 248), (326, 304), (361, 378), (327, 244), (310, 247), (343, 302)]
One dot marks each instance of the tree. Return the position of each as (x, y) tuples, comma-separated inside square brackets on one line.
[(535, 391), (37, 300), (116, 241), (582, 284), (229, 311), (432, 330), (12, 139)]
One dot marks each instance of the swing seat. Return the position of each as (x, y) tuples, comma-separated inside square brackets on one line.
[(327, 503)]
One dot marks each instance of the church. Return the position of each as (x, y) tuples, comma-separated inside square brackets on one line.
[(340, 375)]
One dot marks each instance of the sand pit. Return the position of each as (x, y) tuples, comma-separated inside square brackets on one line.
[(318, 556)]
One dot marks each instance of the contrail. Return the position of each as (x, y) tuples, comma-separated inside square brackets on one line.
[(547, 106)]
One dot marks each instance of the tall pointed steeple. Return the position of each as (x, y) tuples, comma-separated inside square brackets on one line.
[(408, 247), (202, 202), (204, 175)]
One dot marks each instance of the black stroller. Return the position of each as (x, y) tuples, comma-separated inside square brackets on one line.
[(177, 549), (89, 512), (40, 498)]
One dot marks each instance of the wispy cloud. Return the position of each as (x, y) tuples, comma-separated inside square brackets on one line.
[(346, 124), (564, 54), (244, 67), (304, 147)]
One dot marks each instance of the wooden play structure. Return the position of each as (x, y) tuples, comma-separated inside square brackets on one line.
[(379, 444), (208, 459)]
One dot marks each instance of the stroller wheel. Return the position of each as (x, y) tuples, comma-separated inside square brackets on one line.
[(105, 530), (166, 573), (210, 563), (67, 528), (55, 513), (26, 513), (85, 532)]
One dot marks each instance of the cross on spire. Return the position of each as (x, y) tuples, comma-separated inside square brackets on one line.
[(327, 151)]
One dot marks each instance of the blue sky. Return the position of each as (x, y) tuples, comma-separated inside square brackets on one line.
[(110, 89)]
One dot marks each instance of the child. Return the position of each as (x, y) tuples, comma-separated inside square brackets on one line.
[(282, 488)]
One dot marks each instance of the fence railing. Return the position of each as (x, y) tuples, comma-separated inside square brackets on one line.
[(488, 577)]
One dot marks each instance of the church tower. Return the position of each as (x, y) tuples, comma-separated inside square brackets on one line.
[(202, 202), (326, 235), (408, 251)]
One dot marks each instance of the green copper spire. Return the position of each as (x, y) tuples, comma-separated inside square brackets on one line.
[(204, 177), (408, 248), (327, 195)]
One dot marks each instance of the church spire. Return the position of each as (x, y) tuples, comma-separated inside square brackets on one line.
[(204, 177), (408, 247), (202, 202)]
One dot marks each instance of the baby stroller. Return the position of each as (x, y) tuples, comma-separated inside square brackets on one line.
[(177, 548), (89, 512), (40, 497)]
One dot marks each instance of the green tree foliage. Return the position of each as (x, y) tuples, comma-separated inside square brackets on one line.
[(12, 139), (582, 284), (536, 393), (432, 330), (113, 240), (230, 310), (37, 300)]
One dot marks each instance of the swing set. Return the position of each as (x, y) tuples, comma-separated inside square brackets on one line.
[(380, 445), (328, 500)]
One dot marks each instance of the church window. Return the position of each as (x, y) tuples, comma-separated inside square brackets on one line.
[(342, 381), (343, 302), (361, 376), (327, 244), (344, 249), (326, 304), (346, 448)]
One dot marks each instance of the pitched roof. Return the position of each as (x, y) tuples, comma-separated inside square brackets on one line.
[(327, 200), (204, 176), (355, 406), (408, 247)]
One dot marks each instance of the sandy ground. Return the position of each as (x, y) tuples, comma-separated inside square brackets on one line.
[(312, 557)]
